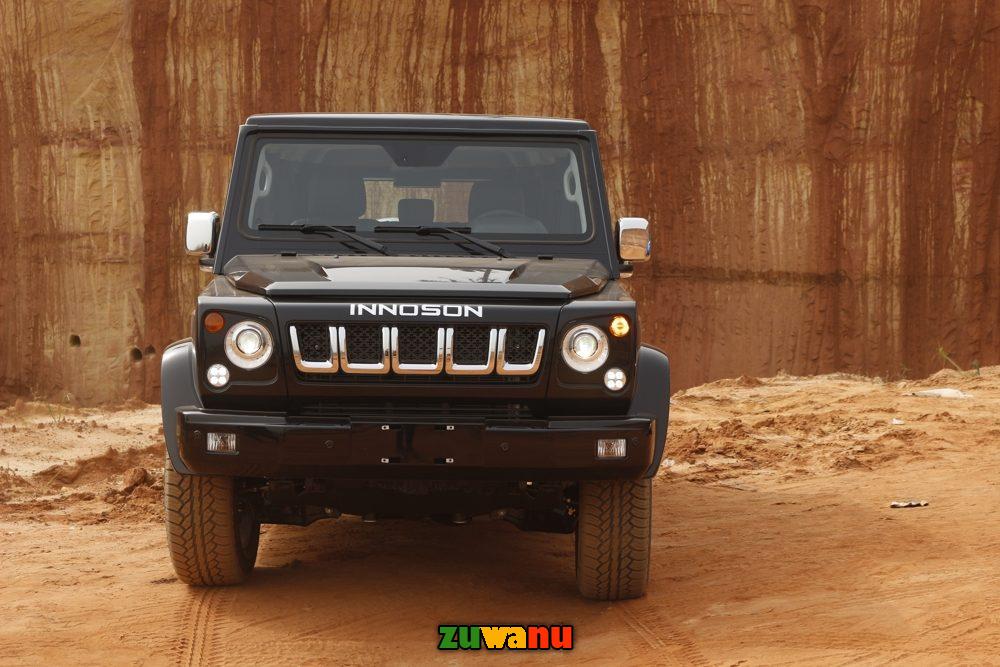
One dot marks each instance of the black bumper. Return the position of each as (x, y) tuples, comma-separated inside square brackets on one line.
[(282, 447)]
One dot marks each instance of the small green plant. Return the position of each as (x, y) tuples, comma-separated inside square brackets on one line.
[(948, 360), (54, 417)]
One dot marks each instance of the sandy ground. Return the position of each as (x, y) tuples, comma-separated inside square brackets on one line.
[(774, 543)]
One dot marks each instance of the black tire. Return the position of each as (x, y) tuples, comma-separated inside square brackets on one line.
[(613, 536), (213, 537)]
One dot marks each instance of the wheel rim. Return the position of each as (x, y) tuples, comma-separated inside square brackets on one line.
[(246, 530)]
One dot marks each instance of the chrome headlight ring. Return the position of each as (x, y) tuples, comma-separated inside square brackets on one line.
[(585, 348), (249, 345)]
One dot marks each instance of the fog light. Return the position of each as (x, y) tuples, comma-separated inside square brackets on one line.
[(222, 443), (612, 448), (218, 375), (615, 379)]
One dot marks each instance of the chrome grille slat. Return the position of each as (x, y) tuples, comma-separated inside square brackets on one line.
[(454, 367), (521, 345), (404, 364), (506, 366), (318, 355), (374, 346)]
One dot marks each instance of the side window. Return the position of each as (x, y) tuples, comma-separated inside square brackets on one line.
[(262, 183), (573, 190)]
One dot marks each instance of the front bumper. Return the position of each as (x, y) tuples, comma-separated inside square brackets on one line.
[(284, 447)]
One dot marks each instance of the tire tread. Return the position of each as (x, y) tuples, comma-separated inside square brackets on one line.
[(613, 538), (201, 529)]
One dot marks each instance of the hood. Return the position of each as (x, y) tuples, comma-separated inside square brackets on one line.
[(508, 278)]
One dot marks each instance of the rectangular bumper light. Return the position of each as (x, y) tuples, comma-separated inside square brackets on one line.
[(221, 443), (611, 448)]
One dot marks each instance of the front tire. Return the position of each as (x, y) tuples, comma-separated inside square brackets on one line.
[(613, 537), (212, 534)]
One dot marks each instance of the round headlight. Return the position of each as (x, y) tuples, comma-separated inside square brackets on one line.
[(249, 342), (585, 345), (585, 348), (248, 345)]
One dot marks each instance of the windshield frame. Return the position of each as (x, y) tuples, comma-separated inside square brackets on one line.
[(237, 238)]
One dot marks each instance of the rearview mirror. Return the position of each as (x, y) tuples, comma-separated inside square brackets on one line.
[(200, 234), (634, 244)]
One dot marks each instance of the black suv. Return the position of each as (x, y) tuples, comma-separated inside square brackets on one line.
[(414, 316)]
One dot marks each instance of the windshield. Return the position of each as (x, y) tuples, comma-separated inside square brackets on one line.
[(510, 190)]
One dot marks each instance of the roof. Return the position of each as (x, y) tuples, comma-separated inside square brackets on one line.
[(418, 122)]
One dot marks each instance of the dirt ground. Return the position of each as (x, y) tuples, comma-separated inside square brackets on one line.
[(774, 542)]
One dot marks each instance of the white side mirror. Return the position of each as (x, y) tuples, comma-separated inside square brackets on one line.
[(200, 231), (634, 243)]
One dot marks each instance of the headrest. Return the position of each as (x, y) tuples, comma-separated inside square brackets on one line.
[(487, 196), (334, 194), (415, 212)]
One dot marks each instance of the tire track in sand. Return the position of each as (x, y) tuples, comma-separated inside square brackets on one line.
[(658, 641), (199, 621)]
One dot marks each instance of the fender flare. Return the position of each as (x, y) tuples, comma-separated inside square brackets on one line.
[(652, 397), (178, 389)]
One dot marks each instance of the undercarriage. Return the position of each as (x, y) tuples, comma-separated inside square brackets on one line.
[(535, 506)]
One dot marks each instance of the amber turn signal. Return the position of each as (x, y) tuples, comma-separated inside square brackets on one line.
[(214, 322), (619, 326)]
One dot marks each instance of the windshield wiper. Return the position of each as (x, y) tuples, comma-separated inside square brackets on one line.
[(442, 231), (330, 232)]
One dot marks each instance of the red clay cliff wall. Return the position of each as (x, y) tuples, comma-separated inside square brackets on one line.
[(823, 178)]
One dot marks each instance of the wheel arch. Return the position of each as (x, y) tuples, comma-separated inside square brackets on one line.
[(178, 389), (652, 397)]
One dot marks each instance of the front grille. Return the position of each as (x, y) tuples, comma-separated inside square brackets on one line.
[(417, 344), (314, 342), (521, 342), (398, 379), (364, 344), (419, 352), (472, 345)]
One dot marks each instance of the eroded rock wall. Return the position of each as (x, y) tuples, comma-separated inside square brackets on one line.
[(823, 178)]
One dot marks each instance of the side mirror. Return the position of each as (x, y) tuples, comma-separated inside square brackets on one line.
[(634, 244), (201, 232)]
